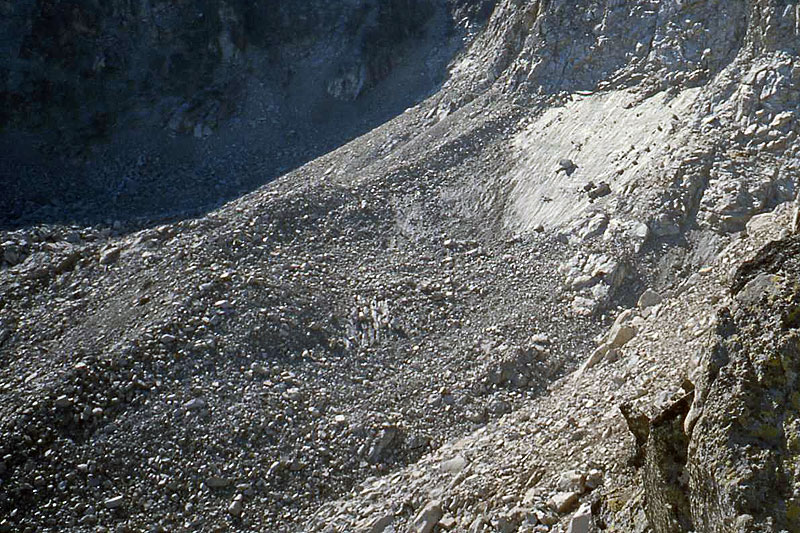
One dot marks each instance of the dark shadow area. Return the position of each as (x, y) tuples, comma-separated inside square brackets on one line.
[(164, 178), (106, 129)]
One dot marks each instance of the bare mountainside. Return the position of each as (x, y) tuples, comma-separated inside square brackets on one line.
[(558, 294)]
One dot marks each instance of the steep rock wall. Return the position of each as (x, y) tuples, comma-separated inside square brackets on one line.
[(88, 67), (738, 443)]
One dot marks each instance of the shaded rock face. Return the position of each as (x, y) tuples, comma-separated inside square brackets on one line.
[(667, 505), (724, 458), (744, 449), (88, 67), (142, 109)]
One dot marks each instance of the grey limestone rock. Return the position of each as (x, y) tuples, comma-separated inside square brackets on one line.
[(428, 517)]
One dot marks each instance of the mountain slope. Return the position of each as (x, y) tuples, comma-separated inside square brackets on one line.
[(386, 336)]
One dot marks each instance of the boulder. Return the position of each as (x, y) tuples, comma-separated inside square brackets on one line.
[(581, 521), (427, 518), (563, 502), (622, 331), (649, 298)]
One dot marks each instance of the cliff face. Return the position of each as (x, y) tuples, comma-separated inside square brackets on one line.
[(743, 450), (86, 68)]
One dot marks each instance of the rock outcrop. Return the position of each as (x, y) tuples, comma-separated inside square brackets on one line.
[(743, 450), (91, 68), (722, 459)]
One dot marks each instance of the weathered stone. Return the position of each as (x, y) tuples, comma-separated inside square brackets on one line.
[(762, 286), (593, 479), (602, 189), (427, 518), (649, 298), (236, 507), (217, 482), (595, 357), (195, 404), (110, 256), (454, 465), (386, 439), (571, 481), (63, 402), (621, 335), (114, 503), (664, 226), (760, 223), (379, 524), (594, 226), (567, 166), (448, 522), (581, 521), (563, 502)]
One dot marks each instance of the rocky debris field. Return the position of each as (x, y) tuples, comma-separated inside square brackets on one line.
[(247, 373), (554, 296), (570, 460)]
